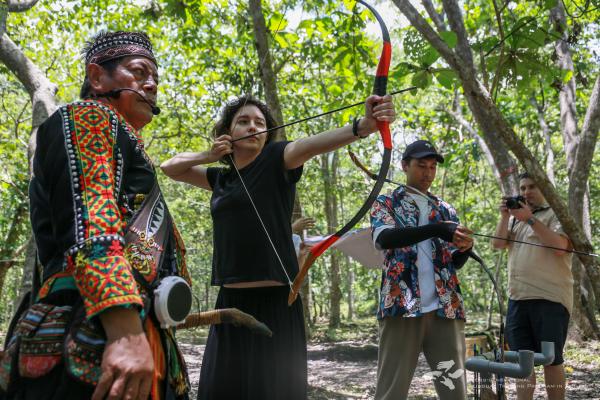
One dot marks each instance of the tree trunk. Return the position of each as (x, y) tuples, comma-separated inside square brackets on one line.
[(567, 94), (207, 304), (28, 270), (350, 293), (547, 139), (7, 252), (306, 300), (335, 294), (315, 306), (37, 85), (5, 265), (497, 276), (583, 318), (265, 63), (579, 203), (3, 15), (329, 174), (336, 278)]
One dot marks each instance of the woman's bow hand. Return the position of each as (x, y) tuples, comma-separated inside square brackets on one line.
[(377, 108)]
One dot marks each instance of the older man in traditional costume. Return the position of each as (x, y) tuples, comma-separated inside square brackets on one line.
[(89, 331)]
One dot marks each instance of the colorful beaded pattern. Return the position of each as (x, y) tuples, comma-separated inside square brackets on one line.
[(97, 262)]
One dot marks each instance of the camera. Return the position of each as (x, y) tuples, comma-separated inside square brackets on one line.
[(514, 202)]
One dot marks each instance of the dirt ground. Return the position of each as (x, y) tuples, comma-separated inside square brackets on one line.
[(347, 370)]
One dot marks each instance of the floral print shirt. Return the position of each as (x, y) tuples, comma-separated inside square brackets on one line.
[(400, 295)]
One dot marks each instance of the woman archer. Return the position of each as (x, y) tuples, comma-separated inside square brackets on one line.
[(253, 255)]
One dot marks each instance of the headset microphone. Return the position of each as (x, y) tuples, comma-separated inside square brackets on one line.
[(115, 93)]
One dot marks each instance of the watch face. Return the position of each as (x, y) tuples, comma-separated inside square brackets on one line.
[(530, 221)]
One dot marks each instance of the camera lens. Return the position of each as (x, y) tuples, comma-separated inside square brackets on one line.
[(514, 202)]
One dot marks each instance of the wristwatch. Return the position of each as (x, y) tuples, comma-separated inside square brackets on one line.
[(530, 221)]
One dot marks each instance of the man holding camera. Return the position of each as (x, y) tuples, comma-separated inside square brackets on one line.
[(540, 282)]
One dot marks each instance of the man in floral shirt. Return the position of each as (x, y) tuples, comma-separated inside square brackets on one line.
[(421, 306)]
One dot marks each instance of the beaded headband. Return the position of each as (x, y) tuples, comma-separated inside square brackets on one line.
[(110, 45)]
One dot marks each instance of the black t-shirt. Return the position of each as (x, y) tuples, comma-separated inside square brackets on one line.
[(241, 249)]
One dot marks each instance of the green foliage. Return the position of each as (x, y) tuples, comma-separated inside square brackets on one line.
[(325, 60), (446, 77), (449, 38)]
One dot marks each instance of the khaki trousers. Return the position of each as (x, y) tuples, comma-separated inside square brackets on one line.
[(401, 340)]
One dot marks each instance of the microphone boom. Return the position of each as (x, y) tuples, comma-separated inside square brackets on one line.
[(115, 93)]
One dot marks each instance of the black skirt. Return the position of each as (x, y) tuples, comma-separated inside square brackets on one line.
[(239, 364)]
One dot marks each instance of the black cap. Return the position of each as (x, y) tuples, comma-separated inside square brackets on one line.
[(421, 149)]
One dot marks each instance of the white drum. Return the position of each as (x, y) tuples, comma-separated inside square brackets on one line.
[(172, 301)]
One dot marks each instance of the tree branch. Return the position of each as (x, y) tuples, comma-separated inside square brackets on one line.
[(455, 20), (40, 89), (279, 66), (20, 6), (501, 58), (484, 147), (437, 18), (428, 33)]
